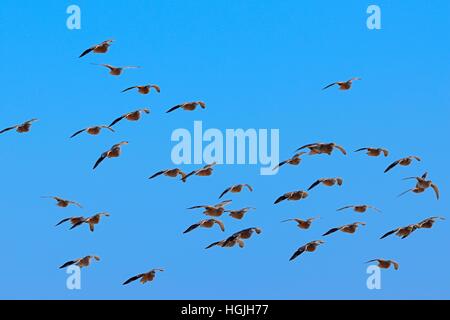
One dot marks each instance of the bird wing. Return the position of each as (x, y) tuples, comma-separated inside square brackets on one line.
[(224, 192), (78, 132), (76, 203), (117, 120), (198, 207), (223, 203), (298, 252), (374, 260), (396, 265), (249, 187), (62, 221), (389, 233), (68, 263), (331, 231), (157, 88), (86, 52), (194, 226), (385, 152), (133, 279), (157, 174), (220, 224), (78, 223), (279, 165), (436, 190), (343, 208), (102, 157), (128, 89), (173, 108), (328, 86), (307, 146), (405, 192), (213, 244), (282, 198), (362, 149), (7, 129), (316, 183), (392, 165), (341, 149)]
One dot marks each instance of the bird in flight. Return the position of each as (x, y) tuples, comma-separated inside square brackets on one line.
[(329, 182), (422, 185), (213, 210), (95, 130), (385, 264), (98, 48), (403, 162), (294, 161), (321, 148), (145, 277), (188, 106), (172, 173), (302, 224), (81, 262), (208, 223), (63, 203), (144, 89), (20, 128), (131, 116), (292, 196), (429, 222), (236, 238), (343, 85), (114, 152), (348, 228), (91, 221), (309, 247), (374, 152), (402, 232), (236, 189), (73, 221), (239, 214), (361, 208), (206, 171), (116, 71)]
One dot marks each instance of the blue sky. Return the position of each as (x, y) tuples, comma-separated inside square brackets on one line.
[(257, 64)]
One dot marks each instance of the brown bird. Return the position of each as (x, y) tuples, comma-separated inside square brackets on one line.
[(374, 152), (95, 130), (20, 128), (188, 106), (209, 223), (81, 262), (348, 228), (91, 221), (329, 182), (385, 264), (294, 161), (236, 238), (403, 162), (320, 148), (63, 203), (214, 210), (343, 85), (422, 185), (361, 208), (402, 232), (131, 116), (73, 221), (236, 189), (429, 222), (292, 196), (144, 89), (172, 173), (227, 243), (206, 171), (116, 71), (239, 214), (145, 277), (98, 48), (309, 247), (302, 224), (114, 152)]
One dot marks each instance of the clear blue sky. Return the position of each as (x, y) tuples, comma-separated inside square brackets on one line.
[(257, 64)]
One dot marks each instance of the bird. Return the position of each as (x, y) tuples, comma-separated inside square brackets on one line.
[(348, 228), (91, 221), (145, 277), (294, 161), (98, 48), (20, 128), (302, 224), (329, 182), (321, 148), (292, 196), (188, 106), (227, 243), (429, 222), (236, 238), (116, 71), (172, 173), (73, 221), (385, 264), (422, 185), (209, 223), (239, 214), (247, 233), (343, 85), (81, 262), (95, 130), (131, 116), (403, 162), (360, 208), (374, 152), (205, 171), (309, 247), (63, 203), (145, 89), (213, 210), (402, 232), (114, 152), (236, 189)]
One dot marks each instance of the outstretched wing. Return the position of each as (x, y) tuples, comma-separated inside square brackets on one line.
[(315, 184), (77, 133), (362, 149), (117, 120), (389, 233), (133, 279), (102, 157), (330, 231), (436, 190), (62, 221), (282, 198), (173, 108), (220, 224), (68, 263), (341, 149), (86, 52), (213, 244), (7, 129), (343, 208), (298, 252), (328, 86), (224, 192), (392, 165), (157, 174), (128, 89), (194, 226)]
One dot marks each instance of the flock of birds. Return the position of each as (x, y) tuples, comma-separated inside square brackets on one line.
[(213, 212)]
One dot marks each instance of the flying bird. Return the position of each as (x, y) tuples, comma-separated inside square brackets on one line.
[(145, 277), (236, 189), (73, 221), (81, 262), (98, 48), (20, 128), (402, 232), (206, 171), (239, 214), (322, 148), (348, 228), (131, 116), (95, 130), (374, 152), (309, 247), (385, 264), (361, 208), (116, 71), (236, 238), (91, 221), (422, 185), (188, 106), (329, 182), (343, 85), (294, 161), (209, 223), (403, 162), (63, 203), (172, 173), (302, 224), (144, 89), (213, 210), (292, 196), (114, 152)]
